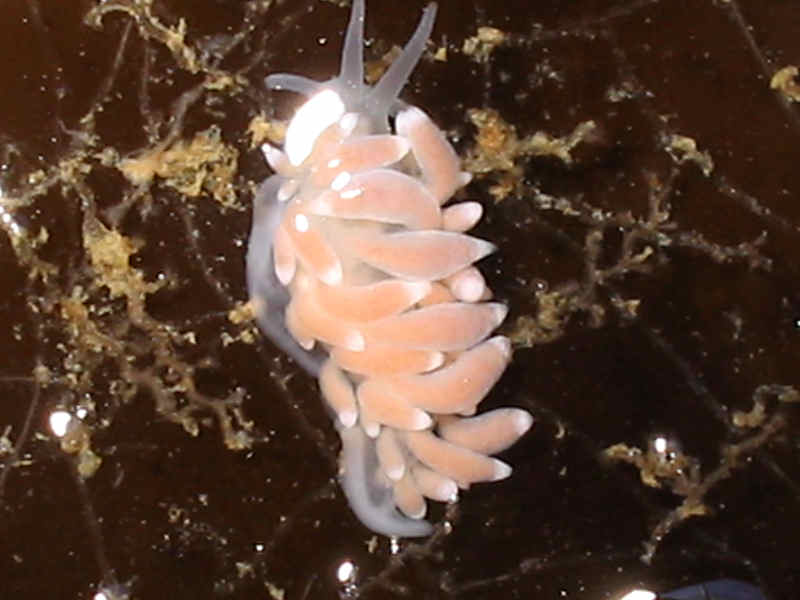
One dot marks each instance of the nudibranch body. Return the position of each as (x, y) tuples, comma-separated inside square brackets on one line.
[(359, 268)]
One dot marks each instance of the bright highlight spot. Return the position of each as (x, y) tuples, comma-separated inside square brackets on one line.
[(116, 591), (660, 444), (59, 422), (8, 219), (341, 180), (345, 571), (639, 595), (320, 112), (287, 190), (348, 123), (301, 223)]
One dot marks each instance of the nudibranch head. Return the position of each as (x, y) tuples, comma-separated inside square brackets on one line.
[(376, 102)]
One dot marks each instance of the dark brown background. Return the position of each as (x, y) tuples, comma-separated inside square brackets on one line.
[(172, 386)]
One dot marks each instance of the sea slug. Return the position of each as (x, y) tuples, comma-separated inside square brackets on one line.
[(359, 268)]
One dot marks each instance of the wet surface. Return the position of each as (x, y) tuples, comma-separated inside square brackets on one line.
[(639, 174)]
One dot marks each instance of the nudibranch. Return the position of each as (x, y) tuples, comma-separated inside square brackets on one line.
[(358, 267)]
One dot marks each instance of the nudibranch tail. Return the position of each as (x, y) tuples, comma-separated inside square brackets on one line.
[(373, 503), (359, 268)]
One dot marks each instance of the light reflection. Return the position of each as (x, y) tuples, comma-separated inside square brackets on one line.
[(660, 444), (341, 180), (59, 422), (8, 219), (116, 591), (288, 189), (346, 571), (301, 223), (639, 595), (348, 123)]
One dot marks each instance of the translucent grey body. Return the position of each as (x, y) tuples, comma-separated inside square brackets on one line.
[(720, 589)]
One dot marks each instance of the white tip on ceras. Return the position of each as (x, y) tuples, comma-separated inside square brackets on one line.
[(462, 216), (422, 420), (348, 418), (333, 276), (499, 312), (522, 421), (437, 360), (354, 341), (502, 343), (501, 470), (277, 160), (409, 118), (371, 428), (467, 285)]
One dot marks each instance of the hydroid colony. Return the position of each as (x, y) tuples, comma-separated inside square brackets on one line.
[(359, 268)]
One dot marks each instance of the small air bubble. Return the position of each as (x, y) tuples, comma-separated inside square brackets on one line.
[(346, 571), (59, 422), (540, 285)]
